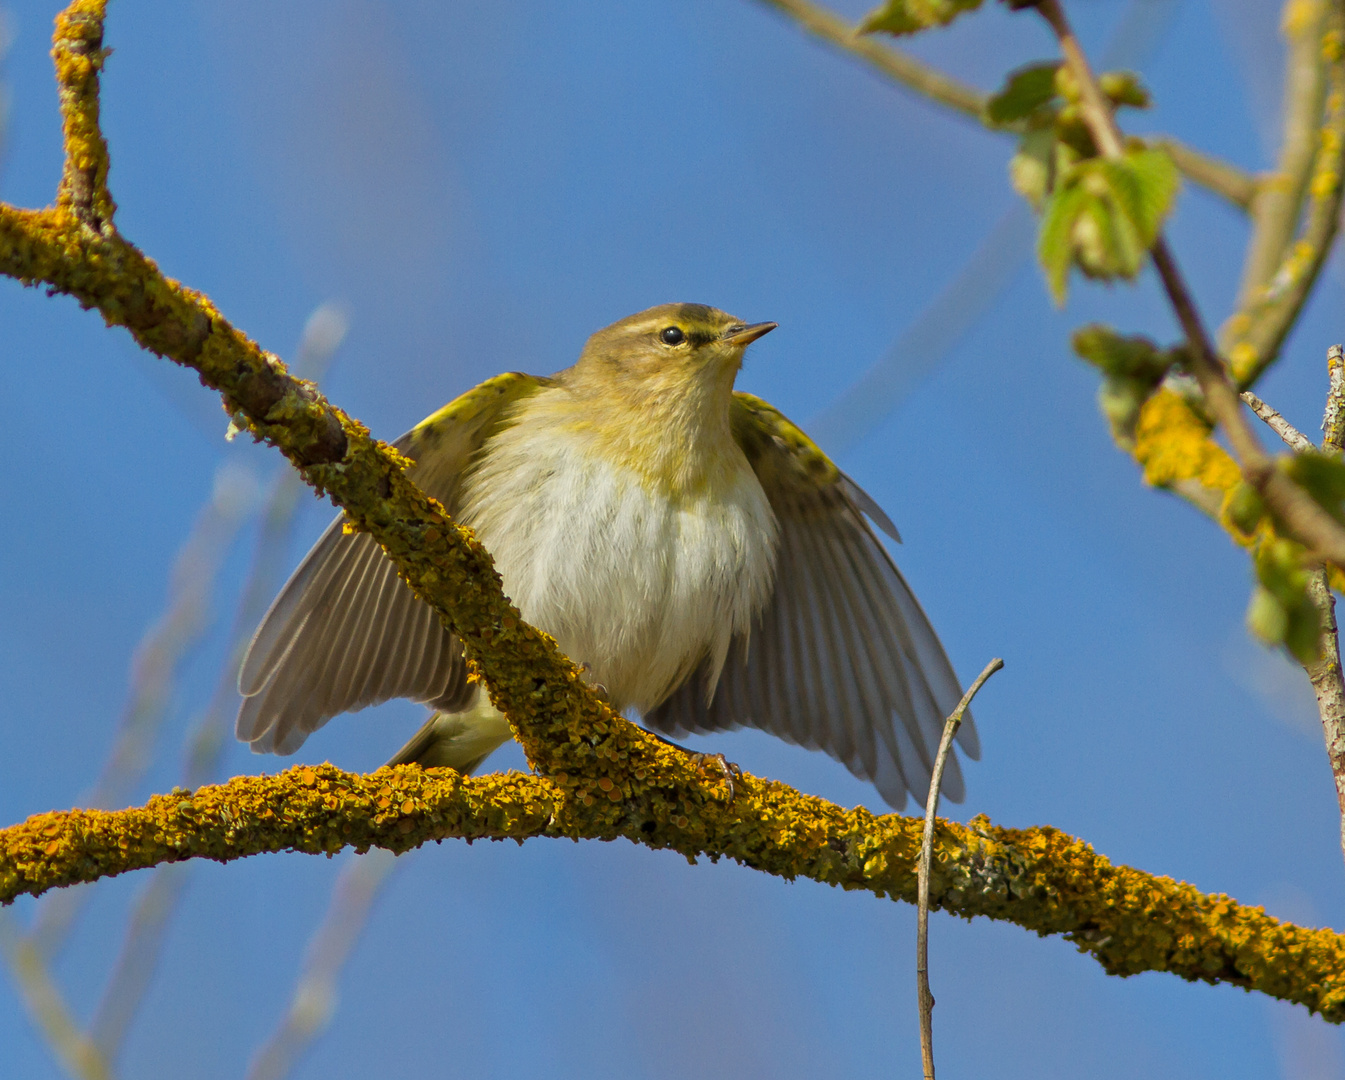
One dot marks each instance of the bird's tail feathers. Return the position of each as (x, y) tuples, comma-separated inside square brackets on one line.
[(458, 740)]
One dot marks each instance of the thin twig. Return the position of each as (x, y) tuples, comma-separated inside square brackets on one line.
[(913, 74), (47, 1006), (159, 657), (1214, 174), (1293, 438), (1279, 201), (1290, 244), (1328, 683), (926, 999), (1220, 177), (1303, 517)]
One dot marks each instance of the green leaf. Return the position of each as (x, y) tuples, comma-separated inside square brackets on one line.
[(1144, 183), (1322, 477), (1120, 400), (1032, 168), (1026, 91), (1133, 366), (1104, 215), (1245, 508), (1281, 612), (900, 17), (1267, 618), (1121, 356), (1054, 245)]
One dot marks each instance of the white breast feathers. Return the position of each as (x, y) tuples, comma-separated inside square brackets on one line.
[(636, 583)]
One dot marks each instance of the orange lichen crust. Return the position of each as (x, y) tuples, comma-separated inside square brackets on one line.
[(1040, 878)]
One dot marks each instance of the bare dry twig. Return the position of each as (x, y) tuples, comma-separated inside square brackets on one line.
[(925, 998), (1325, 673), (314, 999), (1293, 438)]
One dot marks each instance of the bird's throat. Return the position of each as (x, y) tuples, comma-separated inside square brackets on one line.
[(674, 433)]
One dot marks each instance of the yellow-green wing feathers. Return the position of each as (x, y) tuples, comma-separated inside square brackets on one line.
[(346, 632), (443, 443), (843, 659)]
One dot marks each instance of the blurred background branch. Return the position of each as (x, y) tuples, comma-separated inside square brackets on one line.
[(167, 645), (314, 1001)]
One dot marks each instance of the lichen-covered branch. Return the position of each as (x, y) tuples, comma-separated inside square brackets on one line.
[(1041, 879), (1274, 292), (1279, 200)]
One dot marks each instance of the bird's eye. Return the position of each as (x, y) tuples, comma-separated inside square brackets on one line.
[(672, 336)]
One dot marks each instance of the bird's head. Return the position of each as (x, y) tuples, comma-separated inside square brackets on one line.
[(674, 348)]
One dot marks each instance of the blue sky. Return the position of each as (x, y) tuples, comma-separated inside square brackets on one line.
[(481, 186)]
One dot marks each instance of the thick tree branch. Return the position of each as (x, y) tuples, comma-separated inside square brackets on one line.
[(1041, 879)]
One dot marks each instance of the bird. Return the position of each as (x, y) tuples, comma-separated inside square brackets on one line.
[(700, 557)]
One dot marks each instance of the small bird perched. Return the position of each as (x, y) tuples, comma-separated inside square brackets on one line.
[(694, 550)]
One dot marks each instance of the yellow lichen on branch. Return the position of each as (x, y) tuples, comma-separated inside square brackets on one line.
[(77, 51), (1172, 443), (1040, 878)]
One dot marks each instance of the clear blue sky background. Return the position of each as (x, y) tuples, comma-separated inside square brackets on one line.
[(484, 184)]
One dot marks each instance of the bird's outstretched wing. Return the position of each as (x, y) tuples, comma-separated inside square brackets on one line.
[(346, 632), (843, 659)]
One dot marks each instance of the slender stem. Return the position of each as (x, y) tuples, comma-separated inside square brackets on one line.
[(1325, 673), (1279, 201), (1214, 174), (926, 999), (1293, 438), (313, 1002), (823, 23), (1284, 265)]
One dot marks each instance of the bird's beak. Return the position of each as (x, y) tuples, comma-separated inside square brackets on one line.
[(742, 336)]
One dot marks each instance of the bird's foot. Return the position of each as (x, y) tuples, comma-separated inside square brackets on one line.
[(729, 769), (597, 687)]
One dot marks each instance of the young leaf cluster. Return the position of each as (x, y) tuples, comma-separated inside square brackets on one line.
[(902, 17), (1098, 214), (1131, 366), (1281, 612)]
